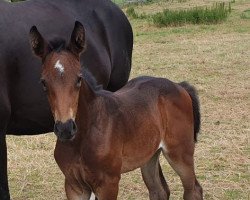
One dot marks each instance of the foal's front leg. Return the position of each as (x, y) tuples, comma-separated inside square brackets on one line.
[(109, 189), (75, 193)]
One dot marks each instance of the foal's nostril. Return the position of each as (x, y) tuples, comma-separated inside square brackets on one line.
[(74, 128), (56, 128)]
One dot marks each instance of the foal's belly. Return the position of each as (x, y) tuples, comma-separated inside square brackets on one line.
[(137, 154), (129, 164)]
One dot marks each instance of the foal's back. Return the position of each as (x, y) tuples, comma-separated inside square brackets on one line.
[(145, 89), (152, 95)]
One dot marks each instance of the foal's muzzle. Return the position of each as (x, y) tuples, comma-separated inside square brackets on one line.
[(65, 131)]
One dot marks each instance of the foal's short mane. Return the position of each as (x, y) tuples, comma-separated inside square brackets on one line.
[(90, 79)]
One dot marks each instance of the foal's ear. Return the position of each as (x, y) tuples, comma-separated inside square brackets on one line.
[(37, 42), (77, 41)]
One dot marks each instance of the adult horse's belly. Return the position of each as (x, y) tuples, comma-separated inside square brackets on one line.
[(35, 119), (30, 111)]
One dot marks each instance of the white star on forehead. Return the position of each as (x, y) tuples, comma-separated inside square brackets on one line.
[(59, 67)]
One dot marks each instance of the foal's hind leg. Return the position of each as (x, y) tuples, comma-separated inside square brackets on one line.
[(154, 179), (180, 157)]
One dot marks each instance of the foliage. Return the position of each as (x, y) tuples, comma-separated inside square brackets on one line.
[(245, 14), (16, 0), (213, 15), (131, 2), (198, 15), (179, 1), (131, 12)]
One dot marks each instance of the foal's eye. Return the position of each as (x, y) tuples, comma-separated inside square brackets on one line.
[(43, 84), (78, 82)]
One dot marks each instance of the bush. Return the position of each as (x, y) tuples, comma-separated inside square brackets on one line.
[(16, 0), (131, 13), (197, 15), (245, 14)]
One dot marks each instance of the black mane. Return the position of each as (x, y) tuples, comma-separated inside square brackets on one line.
[(90, 79)]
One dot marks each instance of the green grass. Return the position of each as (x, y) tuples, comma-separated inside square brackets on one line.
[(119, 2), (245, 14), (135, 2), (197, 15), (16, 0), (131, 13)]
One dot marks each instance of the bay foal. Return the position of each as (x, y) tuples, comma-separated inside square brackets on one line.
[(103, 134)]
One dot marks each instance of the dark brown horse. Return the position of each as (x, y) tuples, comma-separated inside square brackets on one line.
[(103, 134), (24, 108)]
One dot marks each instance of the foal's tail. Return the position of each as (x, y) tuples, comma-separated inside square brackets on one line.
[(196, 106)]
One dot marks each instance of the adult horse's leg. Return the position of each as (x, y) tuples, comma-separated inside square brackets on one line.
[(154, 179), (4, 189), (180, 157), (117, 80), (4, 118), (120, 73)]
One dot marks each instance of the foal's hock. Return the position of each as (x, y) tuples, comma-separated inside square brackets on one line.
[(103, 134)]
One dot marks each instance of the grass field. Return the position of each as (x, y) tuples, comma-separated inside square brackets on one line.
[(214, 58)]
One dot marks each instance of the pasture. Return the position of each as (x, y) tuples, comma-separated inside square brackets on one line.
[(216, 60)]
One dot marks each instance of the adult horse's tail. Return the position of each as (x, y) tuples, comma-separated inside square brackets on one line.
[(196, 106)]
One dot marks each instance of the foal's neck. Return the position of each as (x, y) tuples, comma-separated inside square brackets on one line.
[(87, 97), (93, 106)]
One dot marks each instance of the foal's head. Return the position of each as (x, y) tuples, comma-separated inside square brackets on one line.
[(61, 76)]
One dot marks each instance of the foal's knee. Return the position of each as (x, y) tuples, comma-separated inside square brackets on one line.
[(195, 194)]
